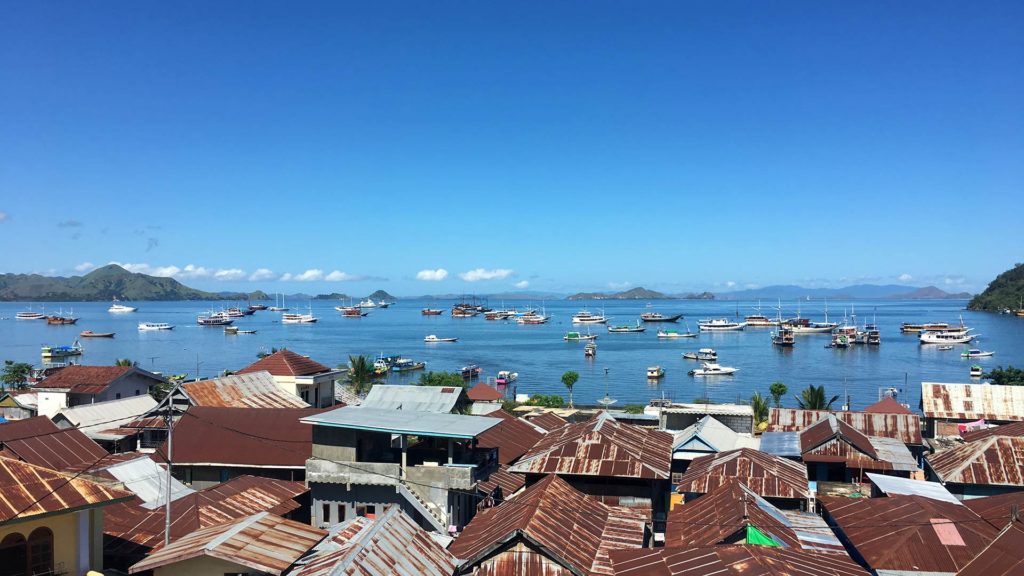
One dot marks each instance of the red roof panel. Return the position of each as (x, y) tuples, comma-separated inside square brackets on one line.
[(286, 363), (85, 379)]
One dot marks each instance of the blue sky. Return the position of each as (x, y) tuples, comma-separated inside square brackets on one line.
[(427, 147)]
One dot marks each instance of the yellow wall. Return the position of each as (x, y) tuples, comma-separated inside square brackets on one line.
[(65, 538), (201, 566), (8, 402)]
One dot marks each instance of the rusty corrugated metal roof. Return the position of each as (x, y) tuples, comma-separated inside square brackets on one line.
[(1002, 557), (28, 490), (39, 441), (996, 460), (732, 561), (601, 447), (904, 426), (996, 509), (547, 420), (1012, 429), (85, 379), (286, 363), (262, 542), (765, 474), (512, 438), (509, 482), (900, 532), (972, 401), (390, 545), (26, 428), (248, 390), (573, 529)]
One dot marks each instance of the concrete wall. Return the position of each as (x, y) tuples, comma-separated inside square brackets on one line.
[(344, 502), (50, 403), (199, 477), (77, 539)]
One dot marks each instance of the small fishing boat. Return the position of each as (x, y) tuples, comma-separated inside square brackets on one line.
[(705, 354), (976, 371), (975, 353), (434, 339), (578, 337), (673, 334), (154, 326), (118, 308), (246, 331), (945, 347), (470, 372), (214, 320), (58, 352), (506, 377), (91, 334), (407, 365), (783, 337), (231, 330), (351, 311), (655, 372), (719, 325), (839, 340), (659, 317), (590, 350), (381, 366), (585, 317), (60, 320), (431, 311), (712, 369), (29, 316), (627, 328)]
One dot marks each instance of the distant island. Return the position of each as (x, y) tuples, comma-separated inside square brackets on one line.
[(379, 295), (106, 283), (639, 293), (1005, 292), (855, 292)]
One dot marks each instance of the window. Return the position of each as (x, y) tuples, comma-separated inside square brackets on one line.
[(325, 513), (136, 391), (117, 396), (40, 551), (13, 555)]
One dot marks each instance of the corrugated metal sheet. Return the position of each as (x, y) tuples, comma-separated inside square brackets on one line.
[(997, 460), (440, 399), (601, 447), (420, 423), (565, 522), (87, 379), (972, 401), (145, 479), (781, 443), (248, 390), (66, 450), (896, 486), (713, 409), (102, 420), (832, 440), (896, 533), (26, 428), (905, 427), (996, 509), (1014, 429), (390, 545), (28, 490), (766, 475), (512, 437), (732, 560), (262, 542), (547, 420), (710, 435), (1002, 557), (521, 560), (509, 482)]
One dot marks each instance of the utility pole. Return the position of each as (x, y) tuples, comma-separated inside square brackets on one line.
[(169, 419)]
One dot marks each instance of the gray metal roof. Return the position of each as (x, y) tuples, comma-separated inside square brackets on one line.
[(781, 443), (440, 399), (148, 481), (404, 422), (708, 435), (101, 420), (906, 486), (717, 409)]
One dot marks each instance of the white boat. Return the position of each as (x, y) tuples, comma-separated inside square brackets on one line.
[(298, 319), (706, 354), (506, 377), (947, 337), (578, 337), (533, 318), (590, 350), (433, 338), (672, 334), (712, 369), (585, 317), (655, 372), (368, 303), (153, 326), (118, 308), (278, 304), (720, 325), (976, 371), (29, 316), (975, 353)]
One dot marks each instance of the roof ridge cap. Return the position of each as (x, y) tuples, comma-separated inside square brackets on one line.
[(234, 530)]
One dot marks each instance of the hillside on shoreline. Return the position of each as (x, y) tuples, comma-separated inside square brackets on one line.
[(1005, 291), (106, 283)]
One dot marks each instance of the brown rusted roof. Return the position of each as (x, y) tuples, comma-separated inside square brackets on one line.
[(39, 441), (242, 437), (90, 379), (1002, 557), (911, 533), (390, 545), (286, 363), (601, 447), (833, 440), (722, 516), (571, 528), (765, 474), (509, 482), (250, 390), (263, 542), (483, 393), (27, 490), (832, 429), (547, 420), (887, 405), (904, 426), (131, 530), (732, 561), (1012, 429), (996, 509), (972, 401), (512, 437), (996, 460)]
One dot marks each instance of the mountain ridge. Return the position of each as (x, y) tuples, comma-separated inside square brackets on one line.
[(104, 283)]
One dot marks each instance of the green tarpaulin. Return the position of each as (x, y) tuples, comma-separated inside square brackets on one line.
[(755, 536)]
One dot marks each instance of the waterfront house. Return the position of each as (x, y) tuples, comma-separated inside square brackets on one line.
[(51, 522), (732, 561), (946, 406), (104, 421), (485, 399), (551, 528), (19, 404), (299, 375), (986, 466), (703, 437), (885, 419), (779, 480), (428, 463), (41, 442), (76, 385)]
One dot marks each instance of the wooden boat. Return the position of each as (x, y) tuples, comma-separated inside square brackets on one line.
[(214, 320), (470, 372), (783, 337), (975, 353), (60, 320), (706, 354), (231, 330), (246, 331), (627, 328), (91, 334), (506, 377), (59, 352), (590, 350), (463, 313), (760, 321), (407, 365), (351, 311), (712, 369), (655, 372), (659, 317), (907, 328), (431, 311), (578, 337), (434, 339), (672, 334)]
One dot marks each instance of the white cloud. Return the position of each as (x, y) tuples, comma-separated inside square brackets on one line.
[(261, 274), (311, 275), (522, 284), (229, 274), (3, 216), (165, 271), (729, 284), (140, 268), (620, 285), (339, 276), (954, 280), (905, 277), (286, 277), (84, 267), (482, 274), (432, 275)]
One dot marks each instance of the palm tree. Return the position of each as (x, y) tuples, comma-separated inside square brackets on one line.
[(569, 379), (760, 405), (813, 398), (777, 390), (360, 374), (124, 362)]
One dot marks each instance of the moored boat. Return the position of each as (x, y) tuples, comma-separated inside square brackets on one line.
[(60, 320), (719, 325), (655, 372), (470, 372), (704, 354), (154, 326), (673, 334), (976, 371), (368, 303), (298, 319), (946, 337), (214, 320), (627, 328), (506, 377), (29, 316), (976, 353), (659, 317), (58, 352), (91, 334), (907, 327), (586, 317), (712, 369), (351, 311), (431, 311), (578, 336), (783, 337), (433, 338), (118, 308), (590, 350), (231, 330), (760, 321), (407, 365)]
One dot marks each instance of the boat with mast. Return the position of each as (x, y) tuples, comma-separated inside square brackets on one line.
[(278, 304), (783, 337), (720, 325), (586, 317)]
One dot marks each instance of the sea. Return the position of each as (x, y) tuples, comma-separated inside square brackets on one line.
[(539, 354)]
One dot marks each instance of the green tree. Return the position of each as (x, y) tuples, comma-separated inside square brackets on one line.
[(15, 375), (777, 390), (813, 398), (1008, 376), (123, 362), (760, 405), (569, 379), (360, 374), (546, 401), (431, 378), (633, 408)]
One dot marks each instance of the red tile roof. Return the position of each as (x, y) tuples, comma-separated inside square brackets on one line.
[(483, 393), (562, 521), (86, 379), (29, 490), (911, 533), (765, 474), (601, 447), (996, 460), (286, 363), (512, 437), (887, 405), (242, 437), (39, 441), (732, 561)]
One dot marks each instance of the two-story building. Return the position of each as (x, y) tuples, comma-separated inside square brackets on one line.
[(76, 385), (299, 375)]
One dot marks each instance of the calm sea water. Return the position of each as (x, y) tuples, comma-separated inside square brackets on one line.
[(538, 353)]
